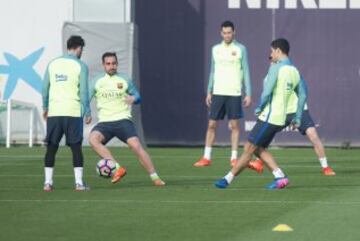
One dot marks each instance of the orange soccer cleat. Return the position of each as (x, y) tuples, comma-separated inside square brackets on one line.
[(121, 172), (256, 165), (328, 171), (158, 182), (202, 162)]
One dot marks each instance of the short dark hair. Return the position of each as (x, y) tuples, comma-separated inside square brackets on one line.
[(75, 41), (108, 54), (281, 44), (228, 23)]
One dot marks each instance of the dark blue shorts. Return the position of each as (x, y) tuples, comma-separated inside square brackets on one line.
[(71, 127), (122, 129), (263, 133), (306, 121), (229, 105)]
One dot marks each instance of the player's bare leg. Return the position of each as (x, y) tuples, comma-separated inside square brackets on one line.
[(210, 133), (235, 133), (267, 158), (239, 166), (144, 158), (209, 141), (311, 133), (244, 159), (280, 181), (95, 140)]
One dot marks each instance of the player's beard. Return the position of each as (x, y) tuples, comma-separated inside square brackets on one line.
[(112, 72)]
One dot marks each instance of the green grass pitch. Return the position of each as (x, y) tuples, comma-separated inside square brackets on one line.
[(189, 208)]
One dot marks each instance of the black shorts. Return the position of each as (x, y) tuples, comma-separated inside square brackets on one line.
[(122, 129), (263, 133), (306, 121), (222, 104), (57, 126)]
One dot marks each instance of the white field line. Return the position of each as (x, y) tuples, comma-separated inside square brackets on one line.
[(130, 201)]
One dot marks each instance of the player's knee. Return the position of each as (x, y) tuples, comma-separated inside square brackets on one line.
[(212, 125), (234, 126)]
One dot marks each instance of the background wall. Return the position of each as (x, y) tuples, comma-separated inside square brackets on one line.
[(174, 46)]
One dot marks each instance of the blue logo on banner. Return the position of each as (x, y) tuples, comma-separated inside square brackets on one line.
[(21, 69)]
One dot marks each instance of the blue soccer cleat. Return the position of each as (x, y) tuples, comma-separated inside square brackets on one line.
[(221, 183), (278, 183)]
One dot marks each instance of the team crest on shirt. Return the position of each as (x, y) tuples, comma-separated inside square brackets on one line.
[(233, 53), (120, 85)]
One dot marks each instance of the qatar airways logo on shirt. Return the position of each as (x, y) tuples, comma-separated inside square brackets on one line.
[(112, 94), (294, 4)]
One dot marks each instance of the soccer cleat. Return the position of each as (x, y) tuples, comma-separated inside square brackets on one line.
[(256, 165), (81, 187), (121, 172), (278, 183), (202, 162), (233, 162), (158, 182), (48, 187), (328, 171), (221, 183)]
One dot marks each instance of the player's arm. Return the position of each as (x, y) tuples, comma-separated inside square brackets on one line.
[(246, 76), (246, 71), (211, 76), (84, 91), (269, 86), (45, 93), (133, 92), (301, 92), (92, 89), (211, 81)]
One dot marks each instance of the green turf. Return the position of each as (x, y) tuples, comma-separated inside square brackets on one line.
[(188, 208)]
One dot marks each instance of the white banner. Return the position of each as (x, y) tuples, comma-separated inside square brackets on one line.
[(31, 35)]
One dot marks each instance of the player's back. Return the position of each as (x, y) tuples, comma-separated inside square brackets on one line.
[(288, 78), (64, 99)]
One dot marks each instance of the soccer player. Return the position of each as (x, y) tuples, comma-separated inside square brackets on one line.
[(65, 103), (307, 128), (282, 79), (229, 71), (114, 94)]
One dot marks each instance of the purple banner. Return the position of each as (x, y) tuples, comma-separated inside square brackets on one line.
[(175, 38)]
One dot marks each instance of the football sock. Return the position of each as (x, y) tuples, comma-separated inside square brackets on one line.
[(278, 173), (49, 171), (234, 155), (78, 172), (323, 162), (229, 177), (207, 152)]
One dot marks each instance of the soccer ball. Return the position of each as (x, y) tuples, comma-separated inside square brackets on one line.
[(106, 167)]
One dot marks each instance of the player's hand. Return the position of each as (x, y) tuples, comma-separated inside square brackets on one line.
[(130, 99), (295, 124), (88, 120), (45, 115), (247, 101), (257, 111), (208, 99)]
